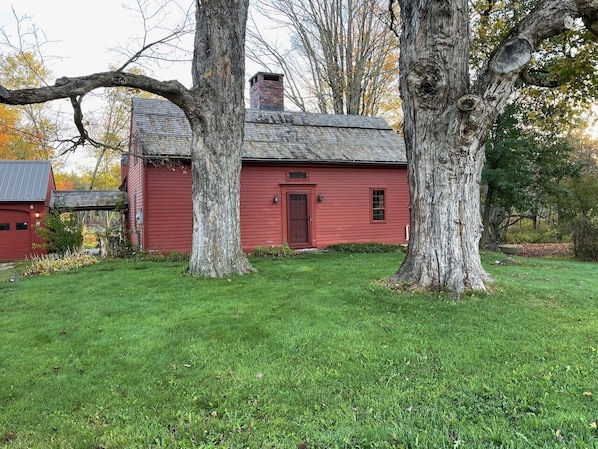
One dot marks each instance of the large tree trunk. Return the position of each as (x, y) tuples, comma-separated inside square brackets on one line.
[(445, 124), (217, 121), (216, 242), (443, 135)]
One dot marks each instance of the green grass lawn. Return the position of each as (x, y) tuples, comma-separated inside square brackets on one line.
[(307, 352)]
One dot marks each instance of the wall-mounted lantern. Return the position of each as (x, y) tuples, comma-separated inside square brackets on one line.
[(276, 199), (320, 197)]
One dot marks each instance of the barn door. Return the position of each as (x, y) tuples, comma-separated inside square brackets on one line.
[(298, 219), (15, 235)]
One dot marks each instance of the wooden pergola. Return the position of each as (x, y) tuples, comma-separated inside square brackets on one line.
[(81, 200)]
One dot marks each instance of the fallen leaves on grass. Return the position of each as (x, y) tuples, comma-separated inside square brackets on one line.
[(547, 249)]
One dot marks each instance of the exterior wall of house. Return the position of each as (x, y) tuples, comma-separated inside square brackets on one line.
[(342, 214), (168, 219), (136, 176)]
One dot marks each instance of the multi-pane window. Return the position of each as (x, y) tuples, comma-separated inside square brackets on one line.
[(378, 205), (297, 175)]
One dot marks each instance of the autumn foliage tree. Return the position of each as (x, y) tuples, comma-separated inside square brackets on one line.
[(26, 132), (8, 122)]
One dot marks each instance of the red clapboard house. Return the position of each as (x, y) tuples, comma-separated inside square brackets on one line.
[(25, 190), (309, 180)]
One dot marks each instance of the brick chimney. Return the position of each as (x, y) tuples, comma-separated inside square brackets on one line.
[(266, 91)]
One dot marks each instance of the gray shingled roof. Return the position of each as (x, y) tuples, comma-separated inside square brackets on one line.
[(87, 199), (24, 180), (163, 131)]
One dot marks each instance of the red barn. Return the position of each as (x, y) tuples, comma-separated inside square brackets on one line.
[(309, 180), (25, 190)]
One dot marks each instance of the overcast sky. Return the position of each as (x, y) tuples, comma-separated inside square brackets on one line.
[(80, 33)]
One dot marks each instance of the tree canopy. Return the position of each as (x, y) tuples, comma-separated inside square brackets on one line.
[(560, 81), (524, 173)]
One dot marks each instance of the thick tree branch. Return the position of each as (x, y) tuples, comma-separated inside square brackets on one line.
[(75, 88), (84, 136), (78, 118), (79, 86), (508, 62)]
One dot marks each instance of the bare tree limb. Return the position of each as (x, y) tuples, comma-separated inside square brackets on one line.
[(78, 118), (169, 47), (346, 52)]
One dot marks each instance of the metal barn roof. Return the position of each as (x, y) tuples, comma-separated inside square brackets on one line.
[(24, 180), (162, 130)]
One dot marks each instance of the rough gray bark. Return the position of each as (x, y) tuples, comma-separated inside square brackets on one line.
[(219, 74), (215, 109), (446, 118)]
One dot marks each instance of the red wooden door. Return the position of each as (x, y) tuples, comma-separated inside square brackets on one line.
[(15, 235), (298, 219)]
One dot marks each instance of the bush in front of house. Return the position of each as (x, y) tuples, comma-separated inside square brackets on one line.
[(370, 247), (61, 233), (585, 239), (283, 250)]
